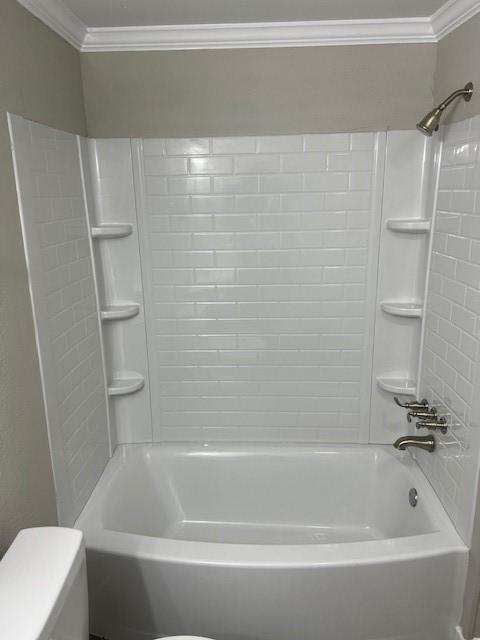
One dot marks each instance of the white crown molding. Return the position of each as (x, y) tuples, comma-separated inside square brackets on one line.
[(56, 15), (253, 35), (453, 14), (61, 19)]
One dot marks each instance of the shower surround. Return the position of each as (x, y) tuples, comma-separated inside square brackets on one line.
[(258, 289), (235, 283), (253, 261)]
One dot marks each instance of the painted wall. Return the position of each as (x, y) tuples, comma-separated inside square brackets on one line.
[(39, 78), (264, 91), (458, 56)]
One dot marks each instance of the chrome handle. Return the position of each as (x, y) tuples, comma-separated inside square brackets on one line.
[(423, 415), (439, 424), (422, 404)]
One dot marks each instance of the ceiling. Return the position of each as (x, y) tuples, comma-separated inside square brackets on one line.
[(125, 13), (140, 25)]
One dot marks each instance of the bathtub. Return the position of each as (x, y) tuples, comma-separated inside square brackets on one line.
[(270, 543)]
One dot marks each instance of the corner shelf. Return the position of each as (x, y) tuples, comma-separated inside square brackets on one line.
[(402, 386), (404, 309), (119, 312), (409, 225), (125, 386), (109, 231)]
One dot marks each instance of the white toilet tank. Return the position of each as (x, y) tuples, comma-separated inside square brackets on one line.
[(43, 586)]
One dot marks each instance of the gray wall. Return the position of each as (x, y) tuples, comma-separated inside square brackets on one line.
[(257, 91), (458, 62), (39, 79)]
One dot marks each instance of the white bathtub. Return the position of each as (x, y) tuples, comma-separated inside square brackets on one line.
[(270, 543)]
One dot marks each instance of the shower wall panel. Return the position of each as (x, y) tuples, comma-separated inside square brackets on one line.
[(259, 260), (451, 373), (120, 282), (56, 237)]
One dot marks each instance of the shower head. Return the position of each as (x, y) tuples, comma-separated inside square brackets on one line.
[(430, 122)]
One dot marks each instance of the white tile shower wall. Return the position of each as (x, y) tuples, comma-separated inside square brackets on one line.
[(257, 253), (63, 294), (450, 376)]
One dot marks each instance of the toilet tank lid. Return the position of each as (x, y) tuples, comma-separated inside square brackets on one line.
[(34, 572)]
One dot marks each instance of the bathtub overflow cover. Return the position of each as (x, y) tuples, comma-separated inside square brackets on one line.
[(413, 497)]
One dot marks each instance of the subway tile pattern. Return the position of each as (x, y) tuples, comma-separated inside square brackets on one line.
[(452, 330), (57, 234), (256, 254)]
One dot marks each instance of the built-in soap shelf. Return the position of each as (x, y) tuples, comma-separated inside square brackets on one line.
[(409, 225), (401, 386), (110, 231), (119, 311), (125, 386), (402, 308)]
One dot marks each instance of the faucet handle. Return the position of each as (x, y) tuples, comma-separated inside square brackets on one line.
[(434, 424), (419, 405), (431, 412)]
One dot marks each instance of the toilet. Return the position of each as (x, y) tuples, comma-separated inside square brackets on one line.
[(43, 587)]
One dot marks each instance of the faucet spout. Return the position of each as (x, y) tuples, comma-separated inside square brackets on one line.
[(427, 443)]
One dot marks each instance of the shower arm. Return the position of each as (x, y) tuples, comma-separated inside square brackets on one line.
[(459, 92)]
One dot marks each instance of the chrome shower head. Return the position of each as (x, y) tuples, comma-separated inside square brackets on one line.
[(430, 122)]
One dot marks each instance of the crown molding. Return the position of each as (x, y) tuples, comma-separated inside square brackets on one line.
[(253, 35), (61, 19), (56, 15), (453, 14)]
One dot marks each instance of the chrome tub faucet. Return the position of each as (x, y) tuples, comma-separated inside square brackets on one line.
[(427, 443)]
